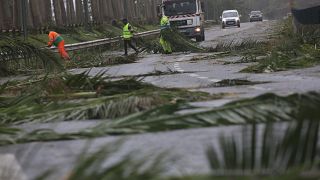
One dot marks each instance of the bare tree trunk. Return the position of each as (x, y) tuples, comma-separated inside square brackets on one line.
[(36, 13), (79, 11), (16, 13), (109, 10), (73, 13), (1, 16), (86, 13), (46, 11), (70, 12), (57, 13), (95, 11), (7, 15), (29, 14), (63, 12)]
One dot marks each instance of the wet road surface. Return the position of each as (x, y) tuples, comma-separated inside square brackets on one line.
[(188, 145)]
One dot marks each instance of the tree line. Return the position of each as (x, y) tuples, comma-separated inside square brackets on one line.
[(44, 13)]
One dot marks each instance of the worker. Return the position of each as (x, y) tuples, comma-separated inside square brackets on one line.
[(127, 35), (56, 40), (165, 24)]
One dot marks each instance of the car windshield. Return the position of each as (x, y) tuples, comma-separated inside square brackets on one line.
[(255, 12), (180, 7), (230, 14)]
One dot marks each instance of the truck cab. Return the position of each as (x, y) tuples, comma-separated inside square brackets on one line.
[(185, 15)]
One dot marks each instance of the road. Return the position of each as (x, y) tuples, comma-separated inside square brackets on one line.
[(188, 145)]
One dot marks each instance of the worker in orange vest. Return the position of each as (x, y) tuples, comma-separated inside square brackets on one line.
[(56, 40)]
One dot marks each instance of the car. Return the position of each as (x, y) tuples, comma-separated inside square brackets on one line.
[(256, 16), (230, 18)]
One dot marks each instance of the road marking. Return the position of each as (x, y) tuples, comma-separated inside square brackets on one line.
[(179, 69), (215, 80), (258, 88), (194, 75)]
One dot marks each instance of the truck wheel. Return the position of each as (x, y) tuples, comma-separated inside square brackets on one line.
[(203, 36)]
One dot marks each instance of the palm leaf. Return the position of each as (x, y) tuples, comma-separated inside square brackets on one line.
[(19, 55)]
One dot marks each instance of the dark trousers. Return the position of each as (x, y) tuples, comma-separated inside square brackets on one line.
[(126, 43)]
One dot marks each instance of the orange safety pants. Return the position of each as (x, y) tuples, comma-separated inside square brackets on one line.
[(62, 51)]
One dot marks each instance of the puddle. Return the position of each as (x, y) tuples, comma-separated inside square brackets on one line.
[(235, 82)]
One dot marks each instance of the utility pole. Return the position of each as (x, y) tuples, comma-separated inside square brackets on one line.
[(24, 18)]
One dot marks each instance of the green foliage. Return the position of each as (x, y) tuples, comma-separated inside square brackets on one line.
[(179, 43), (265, 150), (264, 109), (16, 55), (77, 97), (290, 51)]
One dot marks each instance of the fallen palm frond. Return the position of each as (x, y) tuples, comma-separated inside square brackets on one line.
[(280, 60), (99, 58), (16, 55), (267, 150), (179, 42), (76, 97), (264, 109), (290, 51), (99, 165)]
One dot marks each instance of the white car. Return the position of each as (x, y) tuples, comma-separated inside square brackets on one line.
[(230, 18)]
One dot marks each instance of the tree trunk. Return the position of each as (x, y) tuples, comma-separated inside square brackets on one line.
[(57, 13), (16, 13), (1, 16), (95, 11), (70, 12), (46, 11), (79, 11), (7, 14), (29, 14), (36, 12), (63, 12)]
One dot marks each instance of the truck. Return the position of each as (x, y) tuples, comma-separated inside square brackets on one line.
[(185, 15)]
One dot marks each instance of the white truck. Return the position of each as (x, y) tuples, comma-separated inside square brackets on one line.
[(186, 15)]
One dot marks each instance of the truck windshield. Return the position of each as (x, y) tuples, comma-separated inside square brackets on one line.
[(230, 14), (180, 7)]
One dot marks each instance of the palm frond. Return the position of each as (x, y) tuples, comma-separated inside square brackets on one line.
[(277, 152), (16, 55)]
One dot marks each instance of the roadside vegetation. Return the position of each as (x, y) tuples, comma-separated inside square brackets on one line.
[(289, 51)]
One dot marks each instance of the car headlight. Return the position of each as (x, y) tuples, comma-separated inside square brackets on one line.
[(189, 21), (198, 29)]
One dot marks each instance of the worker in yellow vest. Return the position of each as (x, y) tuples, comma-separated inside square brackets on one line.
[(165, 24), (127, 36)]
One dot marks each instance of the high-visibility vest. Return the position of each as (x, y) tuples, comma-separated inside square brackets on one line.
[(127, 34), (164, 23)]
